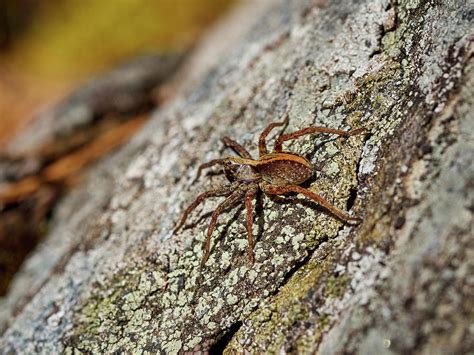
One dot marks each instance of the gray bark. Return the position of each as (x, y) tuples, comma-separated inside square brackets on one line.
[(112, 277)]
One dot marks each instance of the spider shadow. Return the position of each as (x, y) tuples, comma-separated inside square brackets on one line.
[(292, 199), (206, 217), (318, 146), (259, 220)]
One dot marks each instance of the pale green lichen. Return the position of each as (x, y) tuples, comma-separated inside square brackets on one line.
[(232, 299), (286, 307), (172, 347), (331, 149), (280, 240), (332, 168), (224, 282), (281, 312), (297, 240)]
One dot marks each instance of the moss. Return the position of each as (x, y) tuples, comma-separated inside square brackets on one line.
[(213, 302), (199, 305), (305, 344), (270, 323), (336, 286), (370, 104)]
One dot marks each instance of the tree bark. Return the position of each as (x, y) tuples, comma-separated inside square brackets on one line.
[(111, 276)]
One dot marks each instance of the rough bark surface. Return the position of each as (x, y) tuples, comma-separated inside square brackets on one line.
[(112, 277)]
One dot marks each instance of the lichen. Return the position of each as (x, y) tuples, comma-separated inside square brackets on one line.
[(374, 90), (150, 292), (266, 328)]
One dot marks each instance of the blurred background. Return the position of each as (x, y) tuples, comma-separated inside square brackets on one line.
[(48, 50), (48, 47)]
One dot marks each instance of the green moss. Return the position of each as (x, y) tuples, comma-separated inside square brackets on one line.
[(305, 344), (273, 319), (269, 326), (54, 48), (373, 104), (336, 286)]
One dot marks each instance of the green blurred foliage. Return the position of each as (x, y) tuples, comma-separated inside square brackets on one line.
[(71, 38), (48, 46)]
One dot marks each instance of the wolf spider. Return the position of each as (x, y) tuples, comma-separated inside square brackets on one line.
[(275, 173)]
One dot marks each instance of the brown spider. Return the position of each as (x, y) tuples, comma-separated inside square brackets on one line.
[(274, 173)]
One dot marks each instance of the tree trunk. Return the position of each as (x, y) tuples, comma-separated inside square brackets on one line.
[(111, 276)]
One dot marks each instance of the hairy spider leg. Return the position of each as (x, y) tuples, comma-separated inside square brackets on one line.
[(277, 199), (249, 196), (207, 165), (262, 145), (311, 130), (274, 190), (211, 193), (229, 142), (228, 202)]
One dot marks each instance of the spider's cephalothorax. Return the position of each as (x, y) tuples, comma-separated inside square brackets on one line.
[(241, 173), (275, 173)]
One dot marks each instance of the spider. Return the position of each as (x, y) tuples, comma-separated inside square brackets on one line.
[(275, 173)]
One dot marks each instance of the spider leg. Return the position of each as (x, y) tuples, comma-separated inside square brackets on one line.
[(228, 202), (211, 193), (311, 130), (249, 196), (237, 147), (278, 190), (262, 146), (207, 165), (277, 199)]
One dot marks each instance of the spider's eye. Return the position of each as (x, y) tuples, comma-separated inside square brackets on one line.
[(231, 165)]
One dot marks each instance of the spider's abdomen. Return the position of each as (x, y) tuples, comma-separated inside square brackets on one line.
[(281, 169)]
